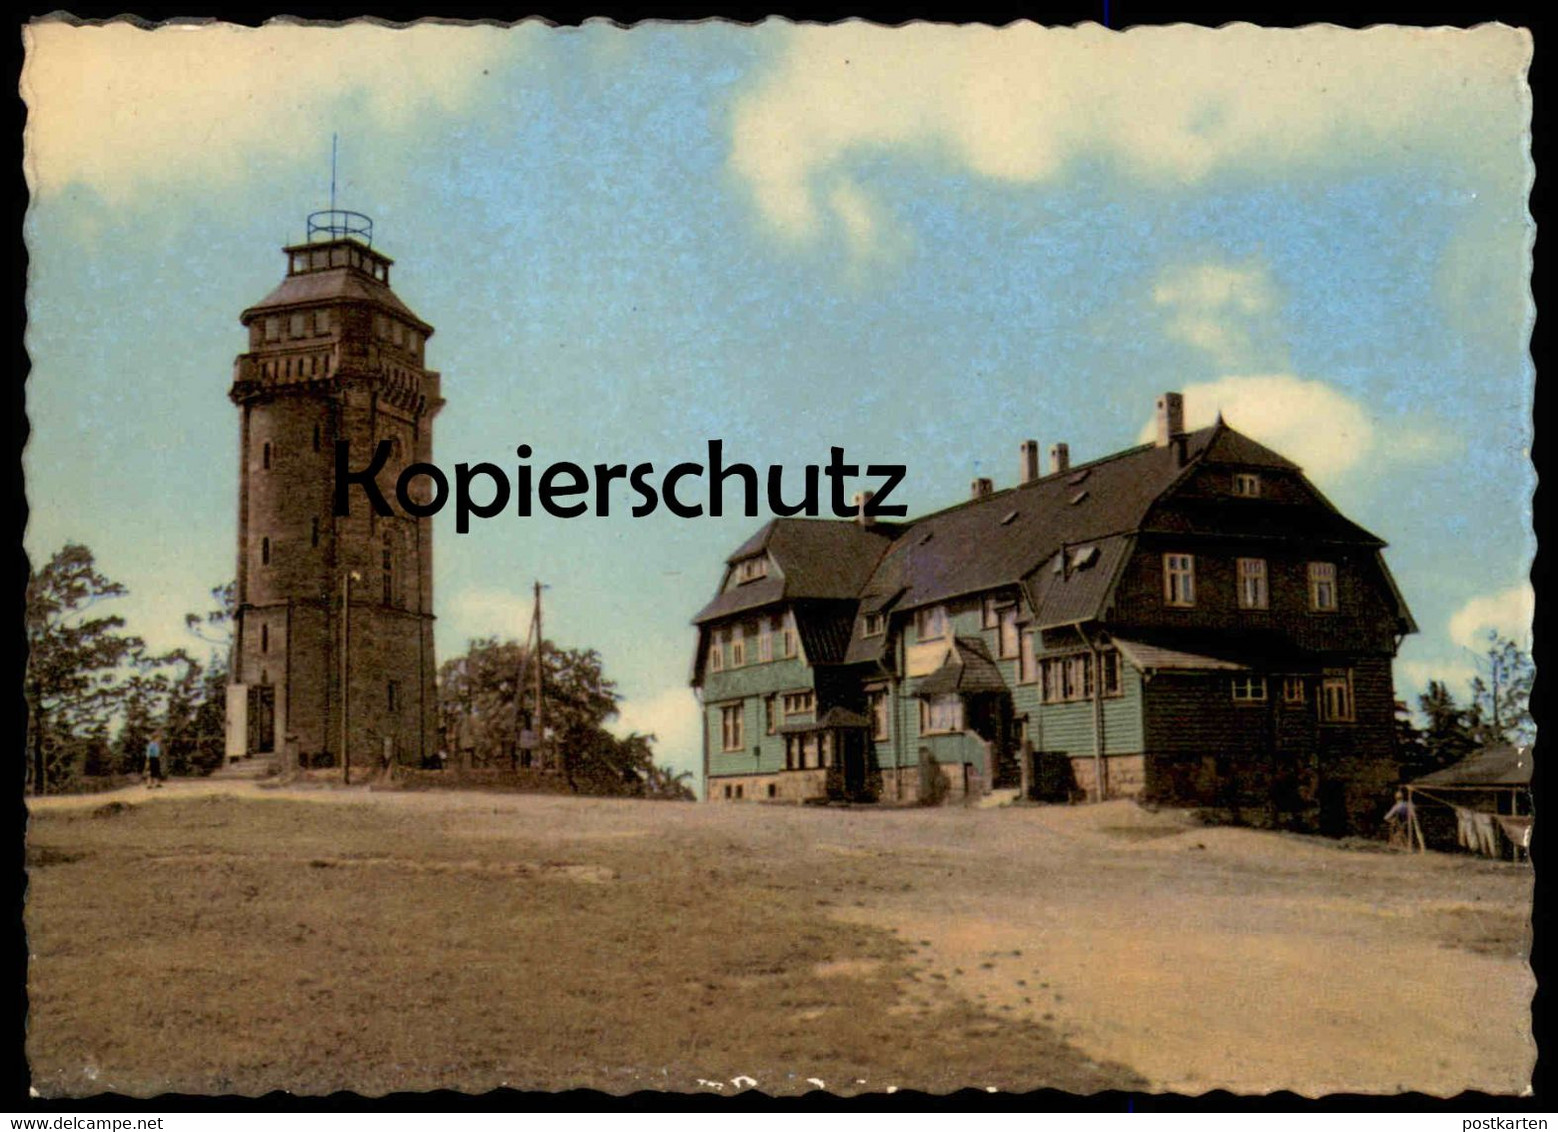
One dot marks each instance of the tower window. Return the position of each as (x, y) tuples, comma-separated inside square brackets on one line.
[(265, 638), (313, 533), (321, 322), (265, 552), (389, 569), (390, 690), (296, 326), (265, 456), (272, 329), (316, 438)]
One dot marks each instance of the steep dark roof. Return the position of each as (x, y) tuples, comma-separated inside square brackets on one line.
[(968, 668), (999, 539), (337, 284), (1502, 765), (1076, 592), (816, 559)]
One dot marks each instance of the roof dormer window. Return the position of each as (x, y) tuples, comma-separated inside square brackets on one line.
[(751, 569), (1246, 484)]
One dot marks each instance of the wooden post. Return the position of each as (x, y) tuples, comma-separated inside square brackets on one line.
[(540, 703), (346, 629)]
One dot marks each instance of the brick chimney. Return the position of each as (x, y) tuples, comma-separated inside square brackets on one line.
[(1171, 417), (981, 487), (1028, 464), (1059, 458), (861, 499)]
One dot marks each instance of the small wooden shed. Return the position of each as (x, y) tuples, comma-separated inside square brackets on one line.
[(1490, 795)]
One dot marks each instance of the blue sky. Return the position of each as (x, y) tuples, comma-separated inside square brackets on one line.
[(924, 244)]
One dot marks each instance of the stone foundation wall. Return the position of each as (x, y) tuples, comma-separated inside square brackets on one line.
[(1125, 776)]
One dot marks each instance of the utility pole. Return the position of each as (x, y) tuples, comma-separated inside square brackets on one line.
[(347, 578), (540, 703)]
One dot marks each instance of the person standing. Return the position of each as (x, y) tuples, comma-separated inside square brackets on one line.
[(154, 761)]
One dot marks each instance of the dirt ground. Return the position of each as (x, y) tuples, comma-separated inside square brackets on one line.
[(237, 937)]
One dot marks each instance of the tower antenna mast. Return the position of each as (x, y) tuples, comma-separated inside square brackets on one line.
[(332, 172)]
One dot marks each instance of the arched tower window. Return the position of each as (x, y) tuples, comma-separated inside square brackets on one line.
[(265, 455), (389, 568)]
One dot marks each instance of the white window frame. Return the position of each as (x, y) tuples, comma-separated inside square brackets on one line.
[(789, 639), (941, 715), (1249, 689), (751, 569), (1007, 649), (1335, 700), (990, 615), (793, 704), (1323, 588), (765, 641), (1179, 580), (873, 624), (1027, 664), (1113, 675), (1246, 484), (717, 651), (770, 714), (1293, 691), (930, 623), (879, 707), (733, 727), (738, 648), (1253, 590)]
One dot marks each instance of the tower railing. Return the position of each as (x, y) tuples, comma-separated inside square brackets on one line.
[(338, 223)]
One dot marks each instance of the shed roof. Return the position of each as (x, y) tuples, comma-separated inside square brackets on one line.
[(967, 669), (1502, 765)]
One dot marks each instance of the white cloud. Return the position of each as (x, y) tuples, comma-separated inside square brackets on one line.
[(1412, 677), (122, 108), (483, 612), (672, 716), (1215, 307), (1169, 105), (1312, 423), (1509, 612)]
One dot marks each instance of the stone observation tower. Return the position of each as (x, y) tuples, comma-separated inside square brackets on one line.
[(333, 647)]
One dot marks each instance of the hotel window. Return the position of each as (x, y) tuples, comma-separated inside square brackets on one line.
[(799, 703), (730, 727), (265, 552), (1079, 677), (321, 322), (874, 625), (1249, 689), (1252, 583), (931, 623), (1026, 669), (1322, 587), (1109, 659), (991, 614), (751, 569), (789, 641), (1292, 689), (1006, 634), (1179, 580), (296, 326), (1246, 484), (265, 638), (387, 567), (272, 329), (717, 651), (1336, 704), (878, 704), (738, 647), (770, 718), (1051, 671), (265, 456), (765, 641), (941, 714)]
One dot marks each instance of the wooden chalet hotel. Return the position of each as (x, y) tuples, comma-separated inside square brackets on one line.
[(1188, 621)]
